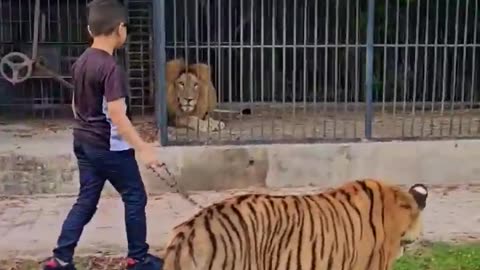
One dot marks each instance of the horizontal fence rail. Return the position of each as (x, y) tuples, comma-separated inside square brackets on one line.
[(282, 71)]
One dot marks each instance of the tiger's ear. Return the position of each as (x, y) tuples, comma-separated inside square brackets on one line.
[(420, 194), (173, 69), (202, 71)]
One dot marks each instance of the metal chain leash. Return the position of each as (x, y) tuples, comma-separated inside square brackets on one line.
[(172, 183)]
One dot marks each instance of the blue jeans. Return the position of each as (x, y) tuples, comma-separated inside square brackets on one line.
[(95, 167)]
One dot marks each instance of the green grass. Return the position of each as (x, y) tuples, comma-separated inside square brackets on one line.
[(437, 256), (441, 256)]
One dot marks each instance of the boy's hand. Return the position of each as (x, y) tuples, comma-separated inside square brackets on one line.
[(148, 156)]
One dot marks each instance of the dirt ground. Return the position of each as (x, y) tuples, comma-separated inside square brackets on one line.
[(29, 225)]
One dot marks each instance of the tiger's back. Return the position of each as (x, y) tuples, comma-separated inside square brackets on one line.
[(360, 225)]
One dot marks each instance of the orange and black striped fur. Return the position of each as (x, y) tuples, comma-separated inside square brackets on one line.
[(361, 225)]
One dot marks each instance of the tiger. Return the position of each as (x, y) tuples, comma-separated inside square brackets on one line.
[(363, 224)]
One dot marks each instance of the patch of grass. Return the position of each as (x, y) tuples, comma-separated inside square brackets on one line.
[(441, 256), (437, 256)]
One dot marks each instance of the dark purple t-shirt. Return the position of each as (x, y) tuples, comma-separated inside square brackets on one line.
[(97, 80)]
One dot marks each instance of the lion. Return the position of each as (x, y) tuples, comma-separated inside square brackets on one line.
[(191, 96)]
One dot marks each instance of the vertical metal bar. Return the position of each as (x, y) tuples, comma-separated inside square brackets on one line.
[(274, 16), (20, 19), (43, 32), (414, 95), (208, 33), (347, 57), (385, 54), (395, 80), (335, 98), (284, 64), (369, 70), (10, 27), (59, 24), (175, 43), (434, 89), (315, 65), (208, 47), (69, 23), (464, 66), (187, 52), (473, 62), (159, 58), (36, 30), (241, 64), (77, 15), (294, 70), (30, 30), (144, 55), (357, 44), (305, 65), (454, 83), (185, 31), (230, 41), (59, 38), (445, 61), (251, 59), (445, 55), (262, 63), (197, 60), (48, 24), (219, 57), (2, 34), (406, 68), (175, 27), (325, 67), (425, 68)]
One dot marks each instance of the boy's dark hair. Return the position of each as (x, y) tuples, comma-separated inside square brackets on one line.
[(104, 16)]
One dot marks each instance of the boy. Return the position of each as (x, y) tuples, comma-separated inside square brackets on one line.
[(102, 138)]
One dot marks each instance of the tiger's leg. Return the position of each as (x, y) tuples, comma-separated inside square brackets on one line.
[(193, 249)]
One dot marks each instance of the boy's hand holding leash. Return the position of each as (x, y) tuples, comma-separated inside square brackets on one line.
[(148, 156)]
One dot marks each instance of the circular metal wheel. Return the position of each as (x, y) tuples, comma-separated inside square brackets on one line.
[(16, 62)]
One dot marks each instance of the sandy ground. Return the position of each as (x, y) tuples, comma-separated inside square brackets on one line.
[(29, 226)]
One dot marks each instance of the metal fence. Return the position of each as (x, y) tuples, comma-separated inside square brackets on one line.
[(284, 71), (329, 70), (62, 37)]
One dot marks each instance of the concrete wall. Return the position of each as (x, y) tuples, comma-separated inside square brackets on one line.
[(44, 164)]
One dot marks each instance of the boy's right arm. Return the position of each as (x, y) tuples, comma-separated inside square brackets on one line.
[(117, 112), (115, 93)]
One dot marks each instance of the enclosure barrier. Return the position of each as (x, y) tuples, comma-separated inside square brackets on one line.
[(287, 71)]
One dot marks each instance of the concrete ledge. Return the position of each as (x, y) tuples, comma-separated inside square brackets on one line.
[(45, 164)]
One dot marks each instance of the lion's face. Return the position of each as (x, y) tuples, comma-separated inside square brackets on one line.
[(187, 89)]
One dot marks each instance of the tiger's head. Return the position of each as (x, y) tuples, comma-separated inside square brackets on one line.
[(188, 87), (408, 217)]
